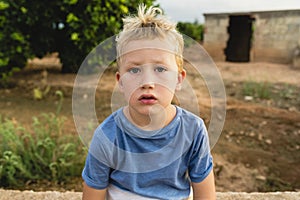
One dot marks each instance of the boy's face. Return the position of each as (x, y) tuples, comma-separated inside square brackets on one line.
[(148, 75)]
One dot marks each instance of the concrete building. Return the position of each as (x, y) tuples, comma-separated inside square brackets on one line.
[(271, 36)]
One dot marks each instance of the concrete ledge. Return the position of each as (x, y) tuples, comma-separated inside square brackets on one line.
[(52, 195), (259, 196)]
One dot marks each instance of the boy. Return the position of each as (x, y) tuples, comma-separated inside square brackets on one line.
[(149, 149)]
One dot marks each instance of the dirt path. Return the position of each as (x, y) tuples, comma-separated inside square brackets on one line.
[(260, 71)]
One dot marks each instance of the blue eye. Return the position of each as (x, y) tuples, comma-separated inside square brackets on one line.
[(160, 69), (134, 70)]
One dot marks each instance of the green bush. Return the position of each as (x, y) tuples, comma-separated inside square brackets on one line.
[(193, 30), (42, 152), (70, 27)]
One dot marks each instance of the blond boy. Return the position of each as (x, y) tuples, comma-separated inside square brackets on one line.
[(149, 149)]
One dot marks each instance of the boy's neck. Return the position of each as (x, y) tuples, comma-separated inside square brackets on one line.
[(153, 121)]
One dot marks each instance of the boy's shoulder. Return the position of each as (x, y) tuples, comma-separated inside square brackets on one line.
[(108, 126), (111, 119), (189, 116)]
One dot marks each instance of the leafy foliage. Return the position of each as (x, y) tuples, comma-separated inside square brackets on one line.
[(193, 30), (15, 46), (71, 27), (42, 152)]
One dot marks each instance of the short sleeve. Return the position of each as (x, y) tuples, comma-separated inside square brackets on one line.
[(201, 162), (96, 172)]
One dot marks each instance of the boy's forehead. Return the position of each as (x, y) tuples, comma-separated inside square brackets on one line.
[(158, 44)]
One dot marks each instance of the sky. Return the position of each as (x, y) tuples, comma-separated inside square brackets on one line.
[(190, 10)]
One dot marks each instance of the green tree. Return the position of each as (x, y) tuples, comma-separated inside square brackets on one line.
[(70, 27), (193, 30), (14, 44)]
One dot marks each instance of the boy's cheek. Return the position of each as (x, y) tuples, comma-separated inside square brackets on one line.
[(127, 83)]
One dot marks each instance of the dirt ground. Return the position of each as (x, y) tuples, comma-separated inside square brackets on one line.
[(258, 149)]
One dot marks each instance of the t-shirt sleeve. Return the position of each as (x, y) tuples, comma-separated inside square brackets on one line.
[(95, 172), (201, 162)]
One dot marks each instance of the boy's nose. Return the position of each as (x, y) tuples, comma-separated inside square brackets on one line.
[(147, 81), (148, 85)]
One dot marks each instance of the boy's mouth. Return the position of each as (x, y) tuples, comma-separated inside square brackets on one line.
[(147, 99)]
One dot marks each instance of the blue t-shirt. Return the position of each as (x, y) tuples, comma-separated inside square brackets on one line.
[(156, 164)]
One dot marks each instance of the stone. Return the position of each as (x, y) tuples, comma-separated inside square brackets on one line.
[(268, 141)]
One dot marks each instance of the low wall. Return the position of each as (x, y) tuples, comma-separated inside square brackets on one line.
[(50, 195)]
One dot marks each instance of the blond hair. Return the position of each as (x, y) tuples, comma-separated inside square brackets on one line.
[(150, 24)]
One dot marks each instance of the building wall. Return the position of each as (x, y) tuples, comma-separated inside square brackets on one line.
[(216, 36), (275, 38)]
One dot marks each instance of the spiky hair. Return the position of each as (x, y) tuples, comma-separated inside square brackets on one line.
[(150, 23)]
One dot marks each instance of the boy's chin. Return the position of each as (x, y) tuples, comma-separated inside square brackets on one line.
[(150, 110)]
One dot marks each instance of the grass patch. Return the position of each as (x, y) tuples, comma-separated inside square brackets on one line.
[(256, 89)]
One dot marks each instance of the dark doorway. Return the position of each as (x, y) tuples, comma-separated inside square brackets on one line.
[(239, 42)]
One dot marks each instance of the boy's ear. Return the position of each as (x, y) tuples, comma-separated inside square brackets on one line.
[(180, 78), (120, 83)]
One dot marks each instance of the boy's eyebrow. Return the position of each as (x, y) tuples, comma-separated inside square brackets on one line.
[(142, 64), (141, 61), (131, 63)]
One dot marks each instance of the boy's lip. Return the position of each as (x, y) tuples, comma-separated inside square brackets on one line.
[(147, 98)]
